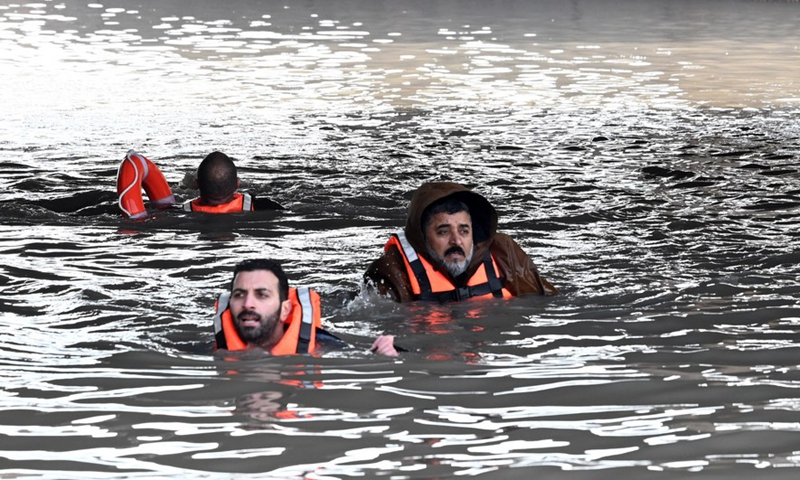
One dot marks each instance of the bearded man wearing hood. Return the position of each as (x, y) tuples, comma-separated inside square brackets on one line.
[(450, 250)]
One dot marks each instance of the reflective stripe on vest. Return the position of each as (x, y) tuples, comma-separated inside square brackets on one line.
[(242, 202), (306, 317), (301, 325), (429, 284)]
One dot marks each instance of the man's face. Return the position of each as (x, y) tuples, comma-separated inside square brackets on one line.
[(449, 239), (257, 310)]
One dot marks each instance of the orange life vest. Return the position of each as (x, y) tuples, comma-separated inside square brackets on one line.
[(242, 202), (427, 283), (301, 325), (137, 172)]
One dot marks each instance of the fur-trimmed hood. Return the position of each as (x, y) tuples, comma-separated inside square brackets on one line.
[(483, 214)]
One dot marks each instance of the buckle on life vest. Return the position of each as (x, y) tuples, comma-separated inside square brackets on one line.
[(462, 293), (455, 295)]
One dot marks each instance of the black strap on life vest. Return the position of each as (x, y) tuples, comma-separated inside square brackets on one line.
[(422, 276), (302, 342), (493, 285), (219, 341)]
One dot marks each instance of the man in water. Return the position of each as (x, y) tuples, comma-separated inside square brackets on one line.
[(218, 182), (450, 250), (261, 311)]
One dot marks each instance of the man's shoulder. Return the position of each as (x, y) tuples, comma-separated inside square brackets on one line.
[(388, 274), (521, 273), (260, 203), (502, 243), (508, 254)]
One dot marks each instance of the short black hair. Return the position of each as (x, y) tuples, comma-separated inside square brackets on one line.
[(216, 176), (264, 264), (448, 205)]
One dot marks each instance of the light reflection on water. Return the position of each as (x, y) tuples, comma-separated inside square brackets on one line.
[(644, 153), (274, 53)]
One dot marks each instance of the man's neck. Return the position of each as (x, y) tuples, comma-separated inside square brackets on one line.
[(213, 202)]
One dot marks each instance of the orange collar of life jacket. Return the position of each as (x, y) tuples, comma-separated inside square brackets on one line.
[(242, 202), (301, 325), (427, 283)]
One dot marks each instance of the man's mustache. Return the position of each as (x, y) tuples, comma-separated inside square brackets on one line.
[(249, 315), (455, 249)]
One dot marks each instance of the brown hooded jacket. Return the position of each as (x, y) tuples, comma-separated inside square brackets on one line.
[(389, 274)]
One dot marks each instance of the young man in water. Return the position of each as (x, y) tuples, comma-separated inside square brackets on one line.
[(263, 312), (450, 250)]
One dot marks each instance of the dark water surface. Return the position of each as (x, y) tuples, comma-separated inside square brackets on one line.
[(643, 153)]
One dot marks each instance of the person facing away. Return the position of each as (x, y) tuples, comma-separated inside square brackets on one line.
[(261, 311), (450, 250), (216, 178), (218, 182)]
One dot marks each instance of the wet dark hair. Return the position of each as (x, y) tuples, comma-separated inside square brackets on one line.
[(216, 177), (448, 205), (264, 264)]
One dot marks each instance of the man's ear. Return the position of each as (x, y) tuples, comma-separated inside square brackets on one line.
[(238, 182), (286, 309)]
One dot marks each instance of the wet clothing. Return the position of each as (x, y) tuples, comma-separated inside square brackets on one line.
[(303, 327), (241, 202), (394, 274)]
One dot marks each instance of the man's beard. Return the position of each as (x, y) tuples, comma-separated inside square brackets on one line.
[(455, 267), (260, 334)]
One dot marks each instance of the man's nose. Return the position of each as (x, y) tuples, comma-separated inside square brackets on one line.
[(455, 239), (249, 301)]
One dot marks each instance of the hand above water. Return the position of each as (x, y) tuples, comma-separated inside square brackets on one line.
[(384, 345)]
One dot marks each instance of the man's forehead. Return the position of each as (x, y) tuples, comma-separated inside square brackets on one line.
[(256, 279), (445, 219)]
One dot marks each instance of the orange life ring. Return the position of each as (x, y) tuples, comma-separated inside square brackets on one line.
[(136, 172)]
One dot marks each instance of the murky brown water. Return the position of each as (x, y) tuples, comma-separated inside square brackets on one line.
[(644, 153)]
